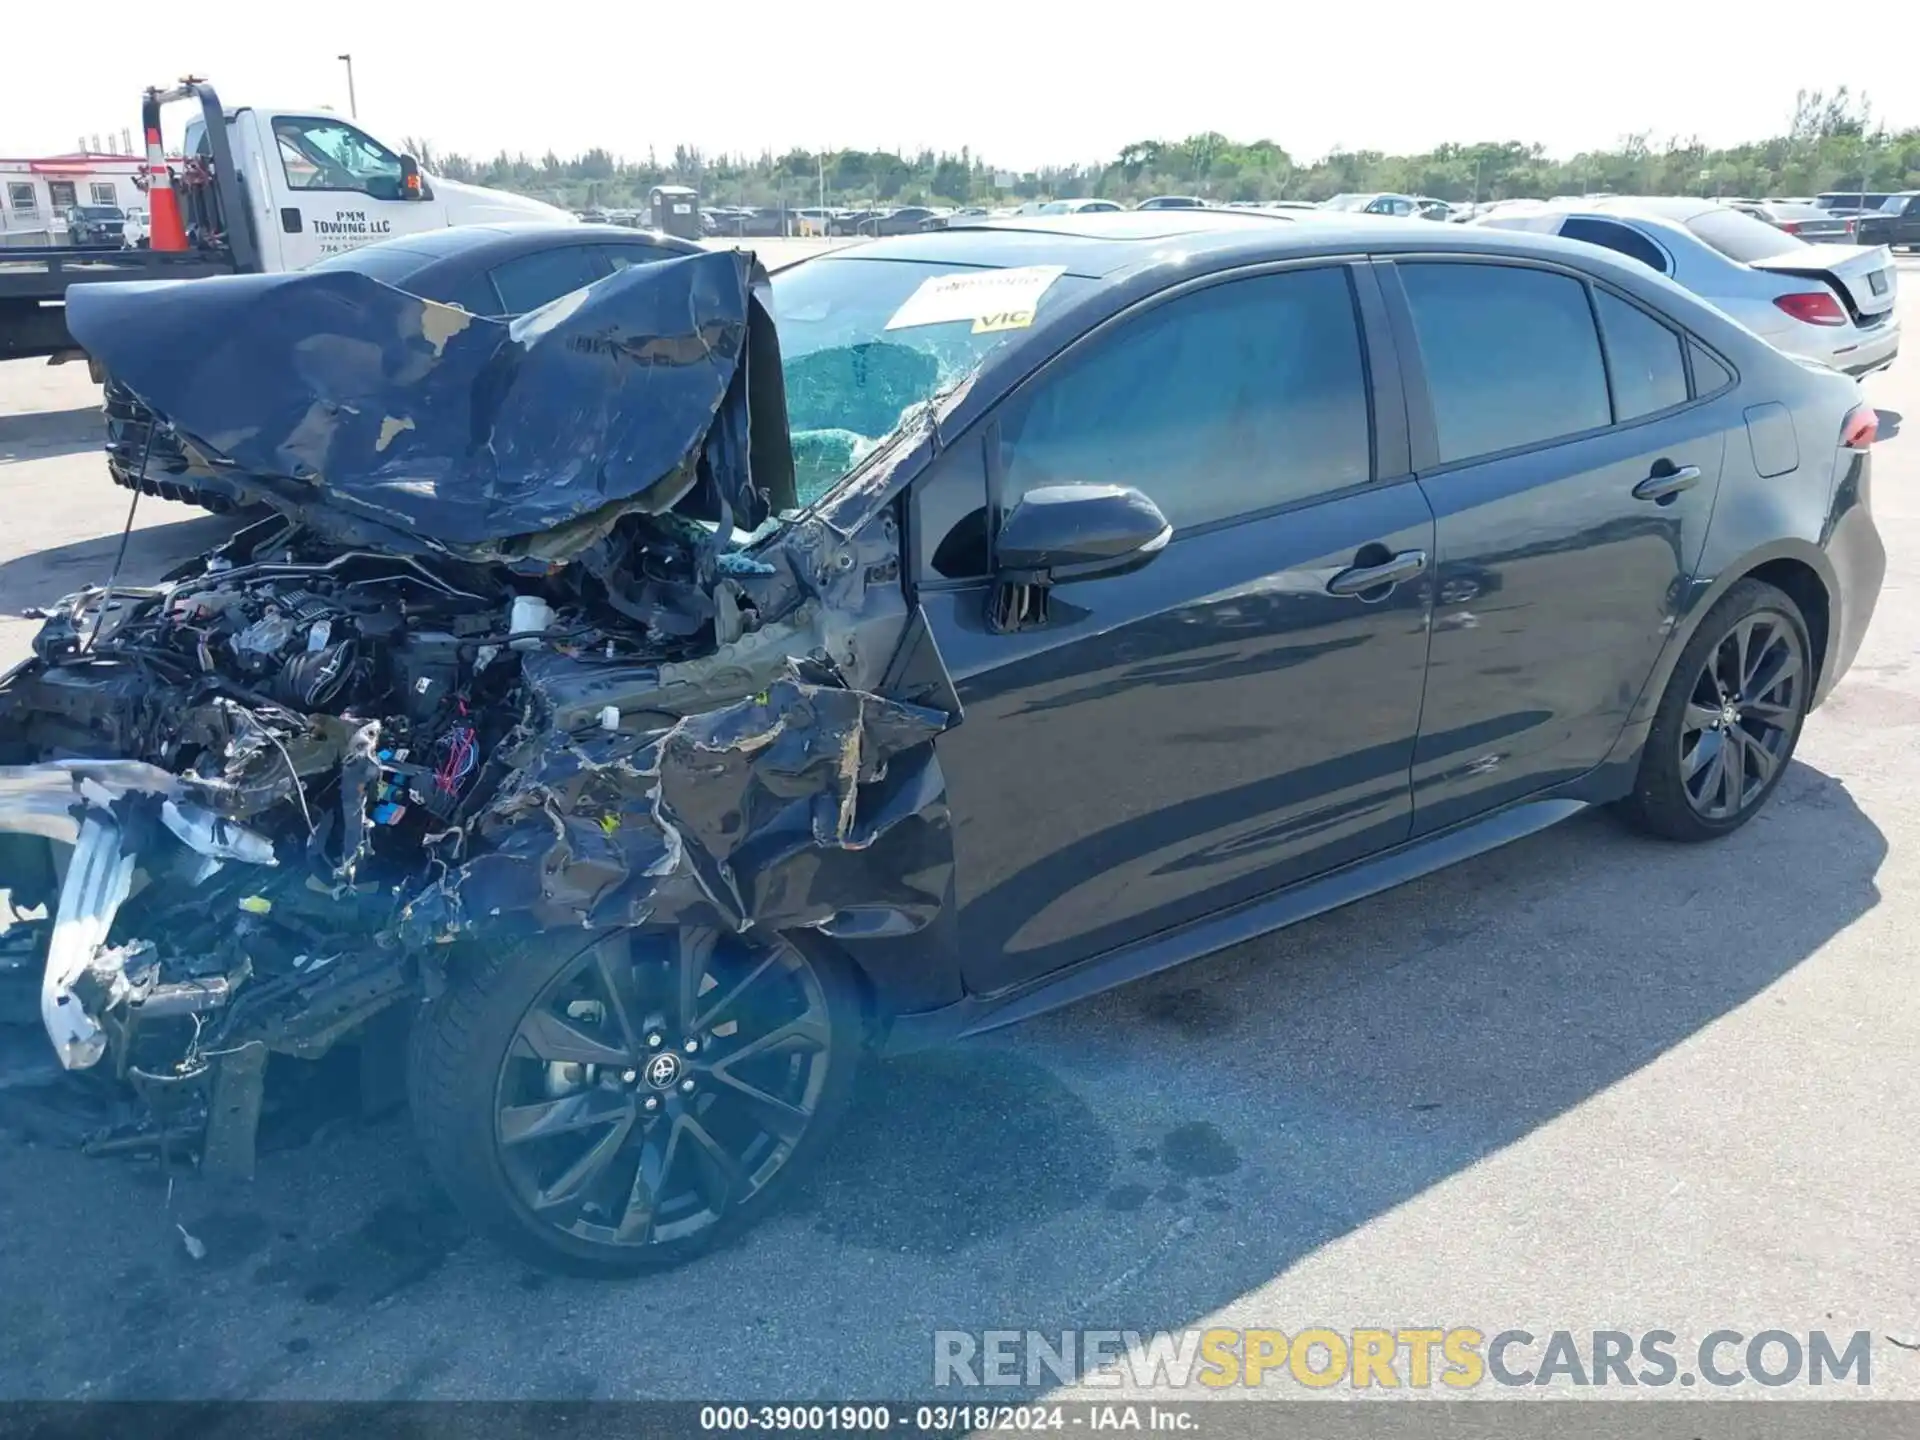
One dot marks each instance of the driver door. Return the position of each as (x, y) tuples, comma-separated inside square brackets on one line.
[(1226, 721), (336, 188)]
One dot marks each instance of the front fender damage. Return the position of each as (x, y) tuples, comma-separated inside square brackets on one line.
[(292, 783)]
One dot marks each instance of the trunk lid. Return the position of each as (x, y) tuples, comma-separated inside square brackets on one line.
[(1862, 275)]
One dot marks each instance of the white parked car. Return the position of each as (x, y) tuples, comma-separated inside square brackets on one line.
[(1829, 303)]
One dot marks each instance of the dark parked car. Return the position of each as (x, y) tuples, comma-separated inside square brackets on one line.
[(1163, 579), (904, 221), (1851, 202), (1896, 223), (1172, 202), (495, 270), (96, 225)]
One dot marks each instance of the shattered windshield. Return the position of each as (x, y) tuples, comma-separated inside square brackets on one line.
[(864, 341)]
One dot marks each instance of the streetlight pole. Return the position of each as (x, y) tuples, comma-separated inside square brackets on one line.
[(353, 104)]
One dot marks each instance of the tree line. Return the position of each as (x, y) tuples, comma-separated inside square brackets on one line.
[(1832, 142)]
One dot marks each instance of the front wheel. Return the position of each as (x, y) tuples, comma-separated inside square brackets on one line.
[(1729, 720), (629, 1105)]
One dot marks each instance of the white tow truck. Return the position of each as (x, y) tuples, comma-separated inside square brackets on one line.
[(259, 189)]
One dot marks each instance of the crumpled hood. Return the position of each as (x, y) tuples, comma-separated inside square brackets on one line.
[(383, 419)]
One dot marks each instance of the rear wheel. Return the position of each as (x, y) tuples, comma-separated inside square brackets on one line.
[(628, 1105), (1729, 720)]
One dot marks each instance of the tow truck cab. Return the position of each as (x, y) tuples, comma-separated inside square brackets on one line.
[(258, 189), (318, 184)]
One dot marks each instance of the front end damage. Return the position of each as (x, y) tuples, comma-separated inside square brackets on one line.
[(499, 664)]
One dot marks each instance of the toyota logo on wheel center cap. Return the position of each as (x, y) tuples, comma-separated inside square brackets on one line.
[(662, 1070)]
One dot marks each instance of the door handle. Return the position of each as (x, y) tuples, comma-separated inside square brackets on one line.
[(1666, 485), (1359, 579)]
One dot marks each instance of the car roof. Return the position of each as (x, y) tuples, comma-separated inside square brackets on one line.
[(1103, 245)]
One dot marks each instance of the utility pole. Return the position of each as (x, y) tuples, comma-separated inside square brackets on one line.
[(353, 104)]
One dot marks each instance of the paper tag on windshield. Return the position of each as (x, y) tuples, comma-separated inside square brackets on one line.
[(991, 299)]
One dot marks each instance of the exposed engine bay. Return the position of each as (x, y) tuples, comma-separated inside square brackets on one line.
[(266, 799)]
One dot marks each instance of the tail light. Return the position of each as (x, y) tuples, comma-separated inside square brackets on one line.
[(1813, 307), (1860, 428), (1792, 227), (1853, 227)]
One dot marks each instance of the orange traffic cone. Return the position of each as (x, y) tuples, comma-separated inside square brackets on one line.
[(163, 210)]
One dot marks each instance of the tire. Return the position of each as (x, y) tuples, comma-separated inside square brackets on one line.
[(1691, 785), (510, 1125)]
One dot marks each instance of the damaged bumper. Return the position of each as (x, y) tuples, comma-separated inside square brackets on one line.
[(83, 804)]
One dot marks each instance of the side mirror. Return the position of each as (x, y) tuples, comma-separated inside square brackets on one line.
[(410, 186), (1062, 533)]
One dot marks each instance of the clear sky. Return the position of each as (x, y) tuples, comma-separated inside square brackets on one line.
[(1024, 82)]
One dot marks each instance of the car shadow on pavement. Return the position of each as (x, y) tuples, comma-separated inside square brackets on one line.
[(1135, 1162), (46, 433), (44, 576)]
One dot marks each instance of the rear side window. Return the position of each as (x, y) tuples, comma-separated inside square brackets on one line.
[(1709, 374), (1512, 357), (529, 281), (1612, 235), (1648, 366), (1222, 402)]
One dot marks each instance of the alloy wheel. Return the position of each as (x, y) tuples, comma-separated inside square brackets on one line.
[(658, 1082), (1741, 716)]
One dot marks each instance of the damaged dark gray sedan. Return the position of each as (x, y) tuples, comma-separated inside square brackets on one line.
[(656, 711)]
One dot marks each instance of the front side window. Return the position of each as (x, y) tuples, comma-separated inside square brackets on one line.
[(529, 281), (1649, 368), (1611, 235), (1511, 355), (325, 153), (1219, 403)]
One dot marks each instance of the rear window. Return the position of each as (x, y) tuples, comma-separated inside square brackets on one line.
[(1741, 237)]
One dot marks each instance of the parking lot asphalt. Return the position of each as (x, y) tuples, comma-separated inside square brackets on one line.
[(1588, 1081)]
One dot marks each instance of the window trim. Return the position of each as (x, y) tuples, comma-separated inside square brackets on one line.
[(273, 131), (1424, 433)]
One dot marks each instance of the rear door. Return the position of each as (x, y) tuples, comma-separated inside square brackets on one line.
[(1572, 479), (1236, 716)]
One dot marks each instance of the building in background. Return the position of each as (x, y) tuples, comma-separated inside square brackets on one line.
[(35, 195)]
